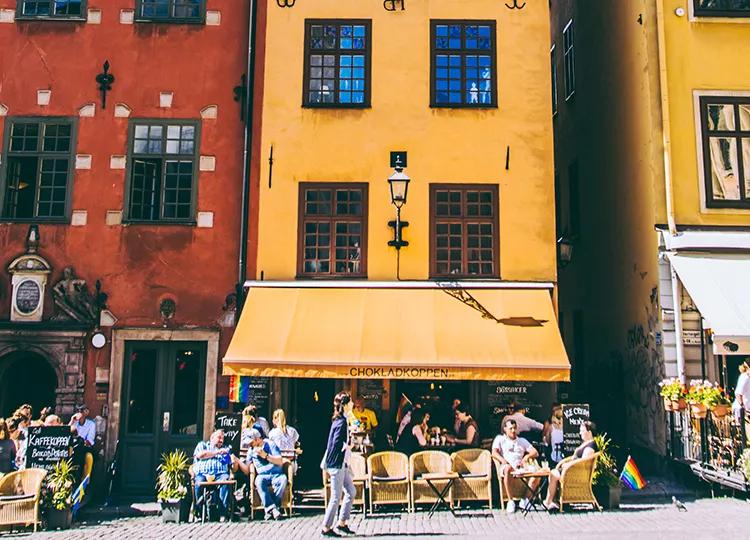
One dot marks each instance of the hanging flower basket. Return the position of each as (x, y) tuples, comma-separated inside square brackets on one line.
[(698, 410), (679, 405)]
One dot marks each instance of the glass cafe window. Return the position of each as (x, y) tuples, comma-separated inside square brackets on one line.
[(463, 64), (722, 8)]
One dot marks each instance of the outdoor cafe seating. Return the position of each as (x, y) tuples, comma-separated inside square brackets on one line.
[(358, 465), (388, 479), (576, 481), (20, 496), (518, 489), (287, 503), (474, 466), (428, 462)]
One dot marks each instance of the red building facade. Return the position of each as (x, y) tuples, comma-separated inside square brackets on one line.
[(131, 177)]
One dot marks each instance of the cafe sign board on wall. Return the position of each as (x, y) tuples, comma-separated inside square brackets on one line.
[(573, 416), (231, 425), (46, 446)]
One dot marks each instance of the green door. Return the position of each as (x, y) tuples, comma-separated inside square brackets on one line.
[(162, 407)]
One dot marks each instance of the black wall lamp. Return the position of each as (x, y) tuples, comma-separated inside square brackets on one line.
[(565, 246), (399, 184)]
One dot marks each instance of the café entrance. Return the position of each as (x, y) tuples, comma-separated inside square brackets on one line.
[(435, 396), (312, 408), (162, 407), (18, 368)]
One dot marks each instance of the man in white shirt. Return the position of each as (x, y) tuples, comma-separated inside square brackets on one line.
[(83, 451), (85, 426), (513, 452)]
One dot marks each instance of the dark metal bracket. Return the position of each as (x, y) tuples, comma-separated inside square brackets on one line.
[(285, 3), (240, 96), (398, 233), (392, 5), (454, 289), (515, 5), (105, 80)]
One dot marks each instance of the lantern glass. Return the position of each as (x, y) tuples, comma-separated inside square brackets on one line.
[(399, 183)]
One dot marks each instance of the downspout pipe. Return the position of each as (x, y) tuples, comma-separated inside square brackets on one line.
[(665, 119), (677, 299), (247, 153)]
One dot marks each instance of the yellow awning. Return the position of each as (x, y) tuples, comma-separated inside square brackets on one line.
[(397, 333)]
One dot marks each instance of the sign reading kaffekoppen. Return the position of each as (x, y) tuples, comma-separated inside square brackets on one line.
[(400, 372)]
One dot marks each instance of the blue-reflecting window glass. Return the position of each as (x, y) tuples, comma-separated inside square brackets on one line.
[(52, 8), (337, 54), (463, 70)]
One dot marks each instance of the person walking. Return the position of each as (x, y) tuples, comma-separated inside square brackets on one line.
[(335, 462)]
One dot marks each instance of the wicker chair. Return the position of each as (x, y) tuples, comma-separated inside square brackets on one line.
[(429, 461), (358, 465), (576, 480), (518, 489), (288, 501), (19, 498), (388, 479), (475, 483)]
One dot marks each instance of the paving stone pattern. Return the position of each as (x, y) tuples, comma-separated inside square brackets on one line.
[(704, 519)]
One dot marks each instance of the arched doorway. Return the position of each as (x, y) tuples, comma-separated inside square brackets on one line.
[(26, 377)]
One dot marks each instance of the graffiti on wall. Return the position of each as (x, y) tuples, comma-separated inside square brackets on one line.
[(643, 369)]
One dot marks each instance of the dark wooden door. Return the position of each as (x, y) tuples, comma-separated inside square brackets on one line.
[(162, 407), (313, 409)]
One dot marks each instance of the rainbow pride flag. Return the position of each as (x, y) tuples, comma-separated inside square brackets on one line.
[(631, 476), (239, 389)]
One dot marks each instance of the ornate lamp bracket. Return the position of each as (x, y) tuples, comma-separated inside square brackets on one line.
[(105, 80)]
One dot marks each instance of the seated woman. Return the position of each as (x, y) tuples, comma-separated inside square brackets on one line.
[(468, 431), (412, 438), (553, 435), (586, 449), (284, 436)]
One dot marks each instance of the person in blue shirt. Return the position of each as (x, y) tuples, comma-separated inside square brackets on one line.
[(211, 462), (271, 479)]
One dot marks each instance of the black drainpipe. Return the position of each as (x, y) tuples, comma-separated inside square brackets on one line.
[(247, 153)]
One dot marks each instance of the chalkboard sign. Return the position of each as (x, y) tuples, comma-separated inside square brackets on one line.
[(500, 395), (371, 391), (47, 446), (259, 394), (573, 417), (231, 424)]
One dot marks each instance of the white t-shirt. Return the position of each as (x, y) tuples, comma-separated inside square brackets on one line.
[(742, 389), (512, 450), (286, 443)]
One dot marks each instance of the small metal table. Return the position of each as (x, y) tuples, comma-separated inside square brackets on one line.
[(451, 477), (204, 487), (535, 497)]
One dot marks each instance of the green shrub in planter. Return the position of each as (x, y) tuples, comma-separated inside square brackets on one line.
[(171, 484), (60, 484), (607, 486)]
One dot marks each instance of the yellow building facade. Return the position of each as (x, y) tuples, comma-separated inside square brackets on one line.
[(459, 91)]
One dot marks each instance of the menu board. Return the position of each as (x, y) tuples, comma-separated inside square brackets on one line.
[(231, 424), (259, 394), (501, 395), (46, 446), (573, 416)]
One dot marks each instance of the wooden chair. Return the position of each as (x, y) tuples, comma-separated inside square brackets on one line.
[(428, 461), (20, 497), (287, 502), (576, 482), (518, 489), (388, 479), (475, 483), (358, 465)]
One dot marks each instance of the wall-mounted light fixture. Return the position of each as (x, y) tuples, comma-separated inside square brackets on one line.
[(565, 246), (399, 184)]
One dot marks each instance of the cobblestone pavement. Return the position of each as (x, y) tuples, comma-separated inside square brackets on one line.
[(704, 519)]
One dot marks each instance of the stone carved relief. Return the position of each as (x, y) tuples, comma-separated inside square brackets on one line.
[(74, 301)]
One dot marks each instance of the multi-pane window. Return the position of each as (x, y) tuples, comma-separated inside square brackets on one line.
[(39, 154), (464, 223), (171, 10), (553, 64), (722, 8), (463, 64), (333, 230), (569, 60), (337, 63), (163, 158), (725, 123), (51, 8)]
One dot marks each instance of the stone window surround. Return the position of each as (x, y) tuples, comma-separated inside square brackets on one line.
[(117, 363)]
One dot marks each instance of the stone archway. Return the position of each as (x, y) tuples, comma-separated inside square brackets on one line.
[(26, 377)]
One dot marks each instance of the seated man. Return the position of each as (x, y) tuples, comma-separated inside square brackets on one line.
[(513, 452), (211, 462), (270, 479)]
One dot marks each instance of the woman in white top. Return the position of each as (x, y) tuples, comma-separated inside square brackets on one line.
[(742, 391), (284, 436)]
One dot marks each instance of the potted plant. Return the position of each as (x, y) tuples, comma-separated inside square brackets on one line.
[(60, 491), (171, 486), (717, 401), (673, 392), (606, 484), (700, 395)]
